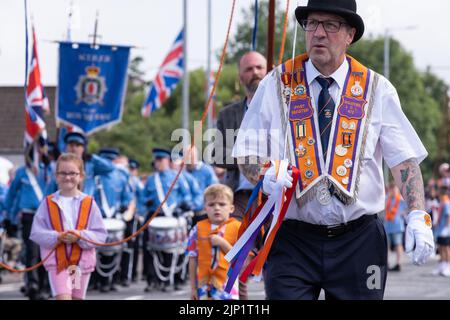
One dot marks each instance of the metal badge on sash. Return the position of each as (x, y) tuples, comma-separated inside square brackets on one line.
[(287, 92), (346, 139), (341, 171), (340, 150), (299, 90), (323, 195), (300, 151), (356, 89), (308, 162), (301, 130)]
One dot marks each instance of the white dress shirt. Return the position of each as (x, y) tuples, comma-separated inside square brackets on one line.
[(390, 136)]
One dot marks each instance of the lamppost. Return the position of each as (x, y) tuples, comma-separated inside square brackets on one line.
[(386, 73)]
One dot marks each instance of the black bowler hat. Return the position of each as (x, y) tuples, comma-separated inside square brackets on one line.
[(75, 137), (343, 8), (109, 153)]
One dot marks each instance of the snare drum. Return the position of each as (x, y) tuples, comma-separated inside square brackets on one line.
[(116, 230), (167, 233)]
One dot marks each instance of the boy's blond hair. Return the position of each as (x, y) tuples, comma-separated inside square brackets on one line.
[(218, 190)]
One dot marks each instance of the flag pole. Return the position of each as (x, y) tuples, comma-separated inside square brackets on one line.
[(95, 35), (69, 25), (270, 35), (185, 120), (208, 67)]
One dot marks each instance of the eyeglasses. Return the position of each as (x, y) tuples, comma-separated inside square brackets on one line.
[(67, 174), (328, 25)]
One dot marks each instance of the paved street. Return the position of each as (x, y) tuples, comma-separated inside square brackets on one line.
[(411, 283)]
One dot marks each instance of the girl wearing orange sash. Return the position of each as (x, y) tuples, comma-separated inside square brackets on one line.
[(209, 241), (68, 209)]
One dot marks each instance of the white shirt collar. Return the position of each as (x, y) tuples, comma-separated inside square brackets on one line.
[(56, 196), (339, 75)]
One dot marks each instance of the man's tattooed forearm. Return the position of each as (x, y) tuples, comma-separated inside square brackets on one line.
[(412, 184), (251, 167)]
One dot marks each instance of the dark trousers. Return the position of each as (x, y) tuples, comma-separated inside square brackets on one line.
[(128, 259), (37, 280), (350, 266), (136, 248), (149, 269)]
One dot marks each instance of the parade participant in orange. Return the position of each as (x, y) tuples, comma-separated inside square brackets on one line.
[(70, 265), (394, 223), (334, 120), (209, 241)]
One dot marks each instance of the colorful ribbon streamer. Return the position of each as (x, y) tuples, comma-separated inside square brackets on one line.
[(279, 202)]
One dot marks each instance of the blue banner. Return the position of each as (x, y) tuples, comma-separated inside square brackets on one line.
[(91, 85)]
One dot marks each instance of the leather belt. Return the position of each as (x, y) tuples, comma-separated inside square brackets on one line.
[(331, 231)]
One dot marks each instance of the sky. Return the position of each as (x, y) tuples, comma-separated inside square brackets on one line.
[(152, 25)]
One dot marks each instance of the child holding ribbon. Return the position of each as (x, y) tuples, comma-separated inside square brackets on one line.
[(60, 220), (209, 241)]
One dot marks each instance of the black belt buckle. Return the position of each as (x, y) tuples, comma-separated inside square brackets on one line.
[(334, 231)]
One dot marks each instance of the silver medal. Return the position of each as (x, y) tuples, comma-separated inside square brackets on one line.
[(323, 195), (356, 90), (287, 91)]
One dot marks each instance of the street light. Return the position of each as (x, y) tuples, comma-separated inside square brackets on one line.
[(386, 73), (387, 45)]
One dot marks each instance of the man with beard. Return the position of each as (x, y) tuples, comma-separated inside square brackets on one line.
[(252, 69)]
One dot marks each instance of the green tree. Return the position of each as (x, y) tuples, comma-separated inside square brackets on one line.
[(242, 41), (421, 94), (418, 98), (135, 136)]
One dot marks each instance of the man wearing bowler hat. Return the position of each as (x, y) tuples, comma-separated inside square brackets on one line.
[(335, 120)]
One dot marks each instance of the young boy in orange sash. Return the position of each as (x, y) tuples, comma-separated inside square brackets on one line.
[(68, 209), (209, 241)]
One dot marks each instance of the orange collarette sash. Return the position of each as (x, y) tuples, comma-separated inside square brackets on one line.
[(349, 129), (218, 275), (392, 211), (63, 259)]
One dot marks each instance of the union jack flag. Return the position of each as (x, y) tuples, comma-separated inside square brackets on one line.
[(35, 105), (169, 74), (36, 100)]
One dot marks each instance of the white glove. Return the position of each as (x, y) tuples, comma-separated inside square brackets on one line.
[(272, 181), (419, 237)]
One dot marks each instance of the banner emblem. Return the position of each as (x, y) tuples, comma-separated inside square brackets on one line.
[(91, 88)]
